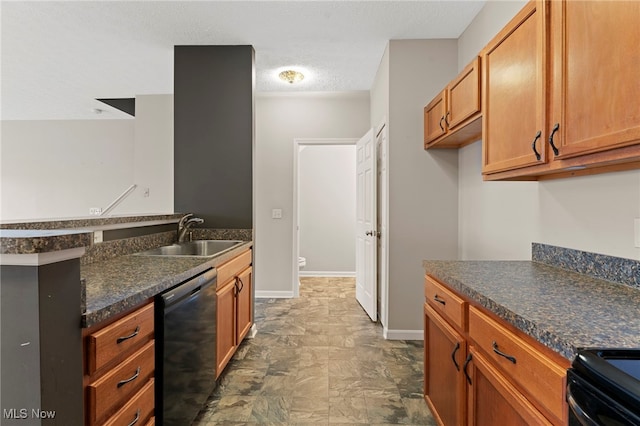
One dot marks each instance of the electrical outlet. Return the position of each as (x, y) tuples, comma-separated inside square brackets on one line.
[(636, 232), (95, 211), (97, 237), (276, 214)]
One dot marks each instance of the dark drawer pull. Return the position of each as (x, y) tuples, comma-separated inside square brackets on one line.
[(135, 419), (553, 145), (439, 299), (130, 379), (132, 335), (533, 145), (241, 283), (453, 355), (441, 120), (464, 368), (502, 354)]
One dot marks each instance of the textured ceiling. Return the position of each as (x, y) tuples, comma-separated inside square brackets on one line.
[(58, 56)]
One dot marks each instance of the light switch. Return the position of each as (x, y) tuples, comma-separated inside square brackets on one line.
[(276, 214)]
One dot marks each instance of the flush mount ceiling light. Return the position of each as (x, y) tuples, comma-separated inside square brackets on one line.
[(291, 76)]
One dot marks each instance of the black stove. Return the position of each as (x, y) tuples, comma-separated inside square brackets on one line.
[(603, 388)]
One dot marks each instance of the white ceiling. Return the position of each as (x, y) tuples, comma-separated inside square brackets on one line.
[(58, 56)]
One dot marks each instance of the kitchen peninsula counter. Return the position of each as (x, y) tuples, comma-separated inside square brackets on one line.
[(119, 284), (563, 309)]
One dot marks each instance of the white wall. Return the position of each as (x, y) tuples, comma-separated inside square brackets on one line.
[(61, 168), (499, 220), (152, 156), (279, 120), (423, 186), (327, 197), (55, 169)]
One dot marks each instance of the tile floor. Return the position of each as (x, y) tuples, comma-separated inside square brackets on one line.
[(318, 359)]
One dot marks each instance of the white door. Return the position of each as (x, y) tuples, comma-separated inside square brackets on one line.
[(366, 231)]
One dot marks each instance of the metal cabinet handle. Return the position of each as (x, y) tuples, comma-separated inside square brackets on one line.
[(123, 338), (241, 284), (453, 355), (130, 379), (439, 299), (367, 233), (441, 120), (135, 419), (445, 118), (553, 146), (464, 368), (502, 354), (533, 145)]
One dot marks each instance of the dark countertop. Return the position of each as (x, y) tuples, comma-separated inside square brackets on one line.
[(119, 284), (22, 241), (561, 309)]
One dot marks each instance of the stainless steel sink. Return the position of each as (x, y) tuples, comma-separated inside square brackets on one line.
[(200, 248)]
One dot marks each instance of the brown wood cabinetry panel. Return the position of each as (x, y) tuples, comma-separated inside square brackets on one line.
[(445, 302), (540, 378), (453, 118), (233, 267), (137, 410), (225, 325), (464, 95), (596, 83), (514, 71), (121, 382), (444, 382), (434, 114), (494, 401), (245, 304), (115, 339)]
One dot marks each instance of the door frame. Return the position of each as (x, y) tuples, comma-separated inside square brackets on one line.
[(383, 222), (298, 143)]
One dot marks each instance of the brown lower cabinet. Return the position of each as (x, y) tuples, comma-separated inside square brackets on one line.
[(119, 366), (234, 307), (444, 382), (493, 400), (478, 370)]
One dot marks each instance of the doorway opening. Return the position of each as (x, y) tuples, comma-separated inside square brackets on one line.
[(323, 208)]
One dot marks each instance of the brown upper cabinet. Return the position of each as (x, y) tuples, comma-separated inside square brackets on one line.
[(560, 91), (453, 118)]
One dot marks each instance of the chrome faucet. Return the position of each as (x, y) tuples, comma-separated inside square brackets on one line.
[(185, 224)]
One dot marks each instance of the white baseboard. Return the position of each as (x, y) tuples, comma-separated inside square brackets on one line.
[(327, 273), (402, 334), (273, 294)]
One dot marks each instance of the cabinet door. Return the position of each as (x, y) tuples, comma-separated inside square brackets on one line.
[(514, 70), (444, 383), (245, 305), (225, 325), (434, 124), (595, 75), (464, 96), (492, 400)]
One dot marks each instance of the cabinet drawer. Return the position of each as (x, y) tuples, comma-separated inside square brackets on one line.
[(115, 339), (536, 375), (228, 270), (120, 383), (445, 302), (139, 408)]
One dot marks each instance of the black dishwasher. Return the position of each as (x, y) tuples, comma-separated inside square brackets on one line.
[(603, 388), (185, 349)]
